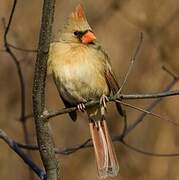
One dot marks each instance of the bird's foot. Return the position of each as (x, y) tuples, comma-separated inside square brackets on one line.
[(81, 107), (103, 101), (103, 105)]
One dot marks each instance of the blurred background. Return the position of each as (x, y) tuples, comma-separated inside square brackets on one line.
[(117, 25)]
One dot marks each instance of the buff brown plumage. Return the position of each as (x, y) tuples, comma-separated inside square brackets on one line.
[(82, 72)]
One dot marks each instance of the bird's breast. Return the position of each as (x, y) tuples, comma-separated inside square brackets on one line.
[(80, 75)]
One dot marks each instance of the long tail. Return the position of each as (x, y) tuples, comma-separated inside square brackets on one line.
[(106, 159)]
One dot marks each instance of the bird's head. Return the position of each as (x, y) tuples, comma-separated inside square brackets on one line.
[(77, 29)]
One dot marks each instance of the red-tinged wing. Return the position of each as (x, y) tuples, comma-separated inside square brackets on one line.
[(114, 87), (110, 77)]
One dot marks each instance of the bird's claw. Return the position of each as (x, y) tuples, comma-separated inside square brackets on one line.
[(81, 107), (103, 101)]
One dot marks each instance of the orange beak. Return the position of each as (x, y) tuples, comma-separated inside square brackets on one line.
[(88, 37)]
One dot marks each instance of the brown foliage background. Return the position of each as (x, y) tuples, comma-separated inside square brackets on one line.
[(117, 25)]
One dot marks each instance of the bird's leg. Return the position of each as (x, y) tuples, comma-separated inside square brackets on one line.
[(103, 105), (81, 107)]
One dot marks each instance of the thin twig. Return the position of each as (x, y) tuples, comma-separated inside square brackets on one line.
[(131, 63), (147, 112), (174, 76), (75, 148)]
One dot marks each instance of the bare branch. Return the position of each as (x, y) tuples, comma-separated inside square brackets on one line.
[(44, 139), (14, 146), (49, 114), (150, 96), (174, 76)]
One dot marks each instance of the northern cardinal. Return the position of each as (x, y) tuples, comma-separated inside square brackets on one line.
[(82, 72)]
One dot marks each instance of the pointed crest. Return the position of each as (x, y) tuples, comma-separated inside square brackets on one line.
[(76, 22), (79, 13)]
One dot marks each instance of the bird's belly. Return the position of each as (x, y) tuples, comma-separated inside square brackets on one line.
[(81, 83)]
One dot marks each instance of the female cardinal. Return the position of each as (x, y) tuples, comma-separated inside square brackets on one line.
[(82, 72)]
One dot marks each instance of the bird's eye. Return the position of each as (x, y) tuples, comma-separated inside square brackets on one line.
[(76, 33)]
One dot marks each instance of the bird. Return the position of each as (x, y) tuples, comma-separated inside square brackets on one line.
[(82, 72)]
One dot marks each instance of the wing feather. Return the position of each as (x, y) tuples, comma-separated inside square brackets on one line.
[(72, 114)]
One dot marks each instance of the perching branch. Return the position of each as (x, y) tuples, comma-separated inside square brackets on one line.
[(159, 96), (44, 139), (49, 114)]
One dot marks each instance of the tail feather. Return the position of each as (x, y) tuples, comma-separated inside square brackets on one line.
[(113, 167), (106, 159)]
